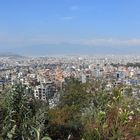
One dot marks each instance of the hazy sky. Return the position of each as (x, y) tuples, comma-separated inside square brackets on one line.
[(25, 23)]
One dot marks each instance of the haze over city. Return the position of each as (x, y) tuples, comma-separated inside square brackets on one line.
[(69, 69), (53, 27)]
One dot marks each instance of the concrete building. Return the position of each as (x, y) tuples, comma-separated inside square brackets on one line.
[(45, 91), (1, 85)]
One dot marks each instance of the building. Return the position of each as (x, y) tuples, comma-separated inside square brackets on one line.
[(45, 91), (1, 85)]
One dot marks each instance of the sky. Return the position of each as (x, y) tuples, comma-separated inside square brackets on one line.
[(69, 26)]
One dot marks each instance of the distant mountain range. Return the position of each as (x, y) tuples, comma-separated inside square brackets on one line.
[(9, 54), (69, 49)]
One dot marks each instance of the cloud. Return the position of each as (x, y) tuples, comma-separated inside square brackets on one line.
[(67, 18), (112, 42), (10, 40), (74, 8)]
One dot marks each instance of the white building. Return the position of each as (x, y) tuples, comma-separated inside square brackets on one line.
[(45, 91)]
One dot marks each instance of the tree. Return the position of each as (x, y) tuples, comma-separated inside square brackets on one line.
[(22, 119), (66, 117)]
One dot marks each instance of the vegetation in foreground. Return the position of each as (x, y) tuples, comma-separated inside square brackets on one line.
[(85, 111)]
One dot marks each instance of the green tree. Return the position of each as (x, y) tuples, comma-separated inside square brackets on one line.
[(66, 117), (23, 116)]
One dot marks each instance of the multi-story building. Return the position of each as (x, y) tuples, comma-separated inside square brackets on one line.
[(45, 91)]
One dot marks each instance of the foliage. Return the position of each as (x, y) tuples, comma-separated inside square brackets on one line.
[(84, 111), (20, 114), (116, 118)]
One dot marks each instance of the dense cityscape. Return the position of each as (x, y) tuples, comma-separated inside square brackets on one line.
[(53, 83), (51, 73)]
